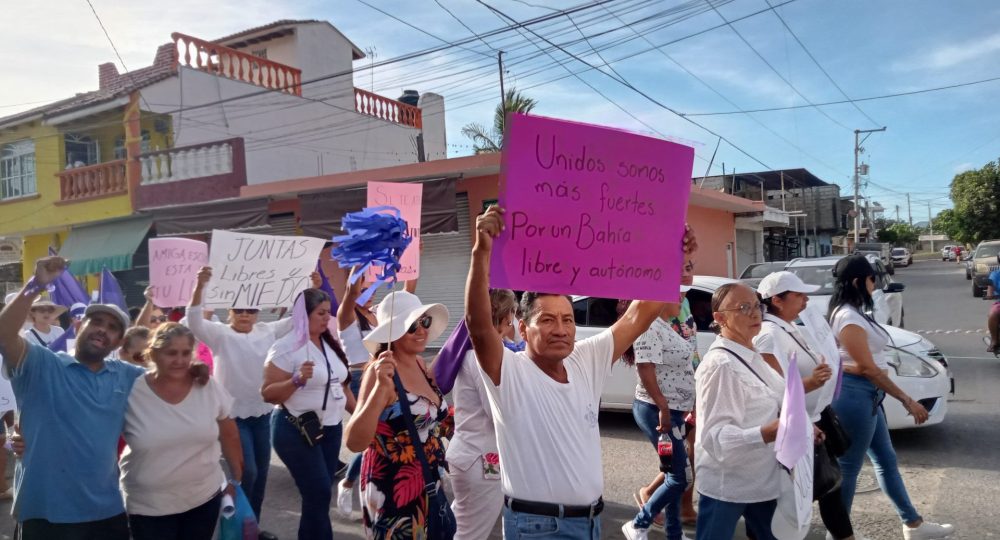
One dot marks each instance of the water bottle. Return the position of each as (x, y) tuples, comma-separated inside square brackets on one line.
[(665, 448)]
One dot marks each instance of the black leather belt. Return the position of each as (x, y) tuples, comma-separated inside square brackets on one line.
[(555, 510)]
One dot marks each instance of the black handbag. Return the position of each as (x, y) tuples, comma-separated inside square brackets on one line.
[(441, 523), (837, 439), (308, 423), (827, 477)]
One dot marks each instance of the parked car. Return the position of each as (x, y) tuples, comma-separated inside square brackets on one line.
[(919, 368), (880, 249), (753, 273), (984, 261), (948, 253), (888, 294), (901, 257)]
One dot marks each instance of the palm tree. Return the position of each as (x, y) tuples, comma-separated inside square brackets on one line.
[(491, 140)]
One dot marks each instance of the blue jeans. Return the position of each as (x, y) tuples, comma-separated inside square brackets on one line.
[(668, 495), (518, 525), (354, 468), (256, 442), (717, 519), (313, 468), (865, 423)]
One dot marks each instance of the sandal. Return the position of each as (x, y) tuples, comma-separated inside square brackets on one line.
[(658, 519)]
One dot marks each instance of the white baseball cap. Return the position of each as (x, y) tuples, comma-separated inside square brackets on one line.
[(112, 310), (779, 282)]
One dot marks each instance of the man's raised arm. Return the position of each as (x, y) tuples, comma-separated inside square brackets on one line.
[(478, 315), (12, 347)]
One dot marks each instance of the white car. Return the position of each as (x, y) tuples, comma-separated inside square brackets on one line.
[(888, 294), (901, 257), (948, 253), (919, 368)]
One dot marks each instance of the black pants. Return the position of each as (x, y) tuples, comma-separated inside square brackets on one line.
[(113, 528), (836, 519), (196, 524)]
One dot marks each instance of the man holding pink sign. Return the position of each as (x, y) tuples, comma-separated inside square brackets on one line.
[(618, 195)]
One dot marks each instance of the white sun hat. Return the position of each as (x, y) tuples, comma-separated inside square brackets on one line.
[(397, 311), (779, 282), (45, 302)]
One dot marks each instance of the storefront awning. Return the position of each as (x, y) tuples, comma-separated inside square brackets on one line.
[(321, 213), (91, 248), (230, 215)]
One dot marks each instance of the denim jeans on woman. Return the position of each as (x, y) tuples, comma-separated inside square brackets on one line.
[(717, 519), (255, 441), (668, 495), (313, 468), (518, 525), (864, 420)]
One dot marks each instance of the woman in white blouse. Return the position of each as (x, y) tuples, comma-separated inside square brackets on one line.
[(472, 454), (738, 398), (307, 377), (176, 428), (239, 350), (785, 296), (866, 383)]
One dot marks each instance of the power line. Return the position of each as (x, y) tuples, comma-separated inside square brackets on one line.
[(776, 72), (461, 22), (820, 66), (417, 28), (841, 102)]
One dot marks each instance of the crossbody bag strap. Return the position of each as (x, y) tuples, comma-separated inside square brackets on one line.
[(38, 337), (744, 362), (430, 482), (797, 342), (329, 374)]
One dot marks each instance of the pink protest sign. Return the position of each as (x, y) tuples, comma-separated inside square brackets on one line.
[(591, 211), (173, 269), (407, 199)]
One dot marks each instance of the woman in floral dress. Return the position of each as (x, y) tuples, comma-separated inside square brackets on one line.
[(393, 498)]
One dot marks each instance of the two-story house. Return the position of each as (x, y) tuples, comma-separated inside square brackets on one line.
[(92, 174)]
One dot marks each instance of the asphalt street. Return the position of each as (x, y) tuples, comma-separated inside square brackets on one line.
[(952, 470)]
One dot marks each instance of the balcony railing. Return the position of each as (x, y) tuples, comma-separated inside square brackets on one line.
[(187, 162), (387, 109), (230, 63), (93, 181)]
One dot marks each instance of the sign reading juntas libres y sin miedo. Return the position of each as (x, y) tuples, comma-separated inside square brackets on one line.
[(591, 210)]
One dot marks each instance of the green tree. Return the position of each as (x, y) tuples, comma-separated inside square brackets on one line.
[(976, 196), (905, 234), (946, 222), (486, 140), (888, 236)]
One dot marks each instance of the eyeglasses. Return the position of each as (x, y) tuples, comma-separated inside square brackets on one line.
[(160, 319), (246, 311), (424, 322), (746, 308)]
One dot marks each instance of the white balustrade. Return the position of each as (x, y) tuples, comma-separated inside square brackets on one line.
[(212, 159)]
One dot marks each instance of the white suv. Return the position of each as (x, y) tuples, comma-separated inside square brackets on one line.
[(888, 294)]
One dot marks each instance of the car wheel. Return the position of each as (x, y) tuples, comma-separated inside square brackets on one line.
[(967, 274), (976, 291)]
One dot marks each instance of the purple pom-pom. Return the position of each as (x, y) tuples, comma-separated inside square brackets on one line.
[(374, 238)]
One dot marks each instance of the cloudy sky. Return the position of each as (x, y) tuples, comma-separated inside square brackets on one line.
[(681, 54)]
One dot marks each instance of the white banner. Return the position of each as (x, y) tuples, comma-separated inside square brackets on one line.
[(259, 271)]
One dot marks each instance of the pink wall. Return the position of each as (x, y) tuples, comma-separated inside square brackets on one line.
[(714, 229)]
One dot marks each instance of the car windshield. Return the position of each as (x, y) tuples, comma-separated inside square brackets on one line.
[(988, 251), (816, 275), (762, 270), (899, 251)]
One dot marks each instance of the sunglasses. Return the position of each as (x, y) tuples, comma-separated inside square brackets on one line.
[(246, 311), (160, 319), (746, 308), (424, 322)]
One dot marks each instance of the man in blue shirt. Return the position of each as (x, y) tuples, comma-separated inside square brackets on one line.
[(72, 410), (993, 322)]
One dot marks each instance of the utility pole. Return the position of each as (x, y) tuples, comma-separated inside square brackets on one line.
[(908, 211), (930, 223), (503, 95), (857, 180), (897, 213)]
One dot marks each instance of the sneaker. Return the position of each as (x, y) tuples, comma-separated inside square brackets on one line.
[(345, 499), (928, 531), (632, 533)]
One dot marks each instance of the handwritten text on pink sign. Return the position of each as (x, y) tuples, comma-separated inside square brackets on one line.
[(406, 198), (591, 211), (173, 269)]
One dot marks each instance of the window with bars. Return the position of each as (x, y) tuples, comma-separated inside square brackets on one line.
[(81, 150), (120, 152), (17, 170)]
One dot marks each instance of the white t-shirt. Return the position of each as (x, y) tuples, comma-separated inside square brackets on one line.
[(352, 338), (171, 464), (878, 338), (239, 358), (671, 352), (474, 432), (47, 337), (310, 397), (781, 339), (547, 432)]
